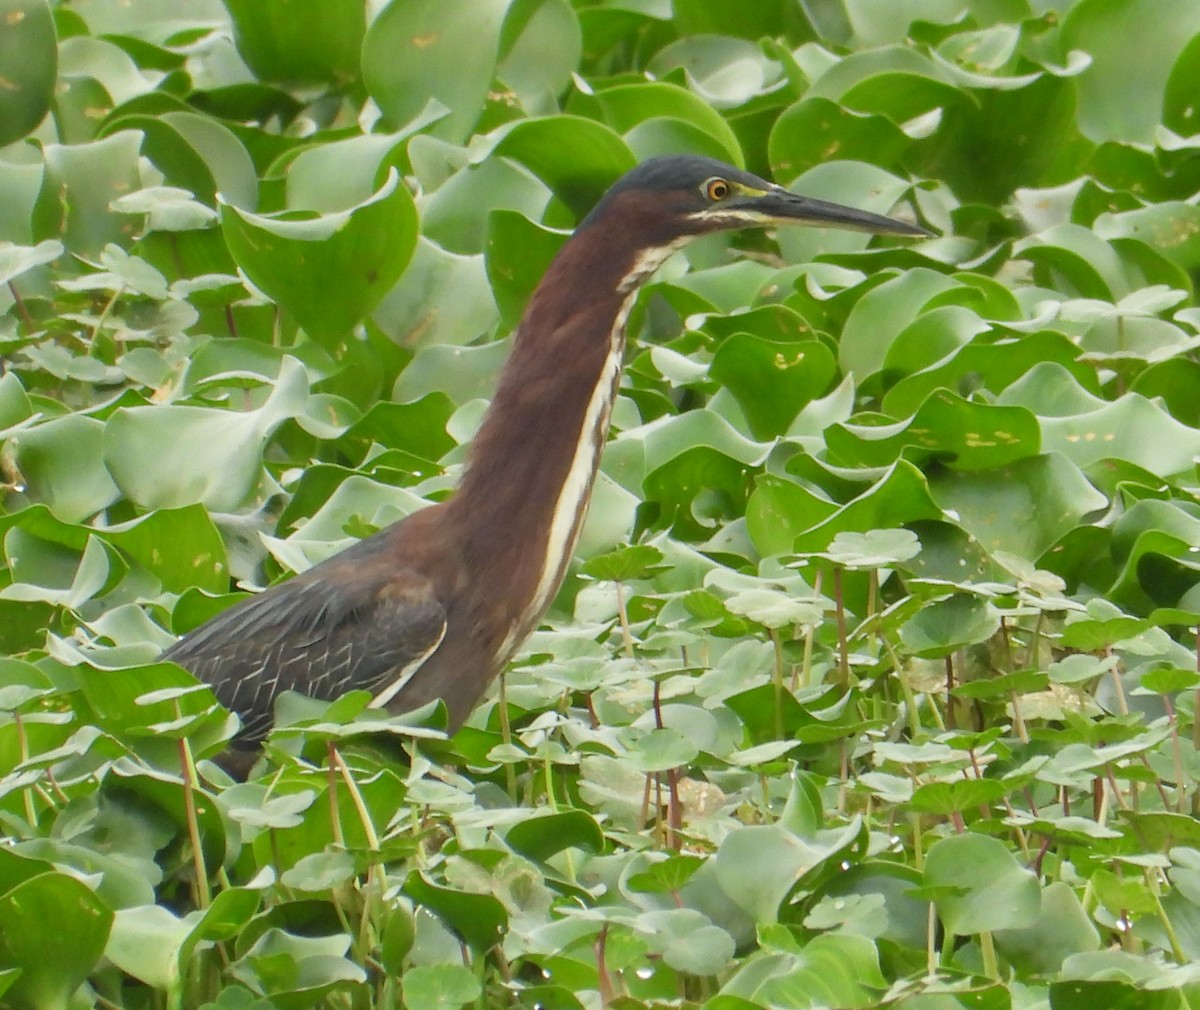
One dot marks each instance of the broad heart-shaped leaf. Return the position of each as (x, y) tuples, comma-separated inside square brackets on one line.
[(79, 183), (830, 970), (478, 919), (54, 928), (433, 49), (772, 380), (517, 253), (198, 154), (1126, 42), (759, 866), (961, 433), (1024, 508), (28, 66), (329, 270), (541, 837), (61, 462), (900, 496), (174, 455), (980, 885), (280, 41), (577, 158), (1130, 428)]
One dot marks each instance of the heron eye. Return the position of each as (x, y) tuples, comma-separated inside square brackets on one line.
[(717, 189)]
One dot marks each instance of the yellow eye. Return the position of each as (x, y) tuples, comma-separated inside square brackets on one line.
[(717, 189)]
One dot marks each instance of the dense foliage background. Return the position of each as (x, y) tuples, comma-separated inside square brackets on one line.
[(877, 684)]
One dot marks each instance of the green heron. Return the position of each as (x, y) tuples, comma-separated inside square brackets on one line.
[(436, 604)]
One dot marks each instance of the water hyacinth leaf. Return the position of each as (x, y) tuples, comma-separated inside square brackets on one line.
[(200, 455), (541, 837), (540, 47), (54, 928), (478, 919), (759, 866), (433, 49), (197, 154), (1109, 34), (28, 66), (577, 158), (1024, 508), (831, 970), (961, 433), (807, 129), (80, 182), (1129, 428), (62, 461), (771, 380), (517, 254), (277, 41), (980, 886), (145, 943), (900, 496), (331, 270), (304, 970), (627, 105)]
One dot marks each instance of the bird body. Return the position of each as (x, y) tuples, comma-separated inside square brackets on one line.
[(436, 604)]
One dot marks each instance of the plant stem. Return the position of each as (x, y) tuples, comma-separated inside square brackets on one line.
[(203, 895)]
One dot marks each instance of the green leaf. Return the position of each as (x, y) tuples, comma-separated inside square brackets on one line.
[(478, 919), (441, 987), (277, 41), (54, 928), (28, 66), (443, 50), (542, 837), (980, 885), (944, 626), (328, 270), (200, 455), (772, 380)]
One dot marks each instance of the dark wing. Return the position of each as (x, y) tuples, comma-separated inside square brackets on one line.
[(337, 628)]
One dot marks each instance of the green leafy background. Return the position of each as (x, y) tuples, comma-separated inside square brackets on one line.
[(876, 682)]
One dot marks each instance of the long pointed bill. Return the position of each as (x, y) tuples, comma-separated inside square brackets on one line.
[(782, 206)]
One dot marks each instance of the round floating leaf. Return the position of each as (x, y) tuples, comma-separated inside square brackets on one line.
[(28, 66), (944, 626), (327, 270), (441, 987)]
